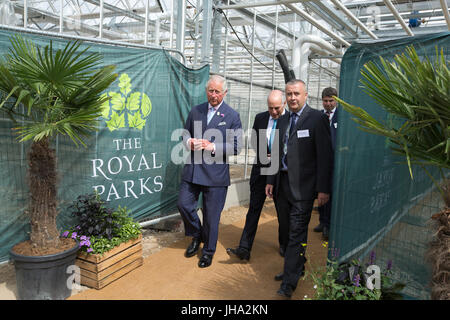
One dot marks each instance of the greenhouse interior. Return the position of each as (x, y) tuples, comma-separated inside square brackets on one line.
[(169, 49)]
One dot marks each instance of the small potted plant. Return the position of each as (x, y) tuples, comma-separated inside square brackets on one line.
[(60, 92), (348, 281), (110, 241)]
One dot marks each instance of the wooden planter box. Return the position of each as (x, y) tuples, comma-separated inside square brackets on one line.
[(98, 270)]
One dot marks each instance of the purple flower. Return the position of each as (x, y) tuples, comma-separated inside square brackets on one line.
[(90, 250), (356, 280), (372, 257), (389, 265), (65, 234), (335, 252), (74, 235)]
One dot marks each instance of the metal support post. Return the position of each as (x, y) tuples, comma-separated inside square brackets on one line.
[(181, 11), (206, 32)]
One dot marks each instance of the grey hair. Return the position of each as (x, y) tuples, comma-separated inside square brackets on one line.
[(218, 78), (295, 81)]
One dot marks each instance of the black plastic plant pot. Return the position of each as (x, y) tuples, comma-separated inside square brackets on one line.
[(44, 277)]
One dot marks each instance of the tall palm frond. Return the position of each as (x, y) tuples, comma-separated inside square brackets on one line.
[(61, 92), (417, 92), (60, 89)]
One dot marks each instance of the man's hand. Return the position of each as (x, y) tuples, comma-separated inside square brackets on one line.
[(322, 198), (207, 145), (269, 190), (195, 144)]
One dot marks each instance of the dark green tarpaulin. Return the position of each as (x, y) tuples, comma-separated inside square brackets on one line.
[(129, 159), (376, 206)]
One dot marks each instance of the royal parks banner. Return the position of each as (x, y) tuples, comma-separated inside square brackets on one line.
[(128, 161)]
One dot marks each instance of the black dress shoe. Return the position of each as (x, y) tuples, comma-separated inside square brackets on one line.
[(285, 291), (239, 252), (325, 233), (279, 276), (193, 248), (205, 261), (319, 228)]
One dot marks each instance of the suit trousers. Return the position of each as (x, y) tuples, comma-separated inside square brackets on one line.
[(257, 198), (213, 203), (325, 214), (299, 215)]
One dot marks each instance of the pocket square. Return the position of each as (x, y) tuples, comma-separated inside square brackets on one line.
[(222, 123)]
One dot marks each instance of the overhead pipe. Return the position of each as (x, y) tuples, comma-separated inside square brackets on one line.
[(396, 14), (288, 74), (445, 11), (317, 24), (303, 48), (349, 14)]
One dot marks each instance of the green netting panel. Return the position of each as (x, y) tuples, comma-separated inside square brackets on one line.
[(376, 206), (129, 159)]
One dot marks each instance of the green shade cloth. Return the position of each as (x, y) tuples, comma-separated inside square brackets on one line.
[(129, 159), (376, 206)]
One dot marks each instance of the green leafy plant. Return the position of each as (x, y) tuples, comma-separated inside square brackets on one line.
[(46, 93), (100, 228), (347, 281), (415, 93), (126, 107)]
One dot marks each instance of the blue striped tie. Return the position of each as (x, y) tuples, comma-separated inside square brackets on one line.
[(211, 112), (272, 134)]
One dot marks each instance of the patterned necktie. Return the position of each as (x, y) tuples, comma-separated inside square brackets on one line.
[(293, 122), (272, 134), (211, 112)]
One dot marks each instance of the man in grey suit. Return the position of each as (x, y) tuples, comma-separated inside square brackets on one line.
[(213, 131), (304, 175)]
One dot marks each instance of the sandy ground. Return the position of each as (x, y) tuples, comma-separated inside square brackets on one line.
[(167, 274)]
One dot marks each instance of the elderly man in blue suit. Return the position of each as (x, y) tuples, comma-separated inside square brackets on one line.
[(213, 132)]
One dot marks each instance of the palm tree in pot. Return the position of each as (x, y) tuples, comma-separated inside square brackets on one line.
[(417, 92), (53, 92)]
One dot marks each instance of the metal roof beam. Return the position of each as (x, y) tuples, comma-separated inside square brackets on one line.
[(331, 16)]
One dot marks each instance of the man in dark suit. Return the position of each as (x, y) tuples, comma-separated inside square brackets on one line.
[(263, 134), (304, 175), (331, 110), (213, 131)]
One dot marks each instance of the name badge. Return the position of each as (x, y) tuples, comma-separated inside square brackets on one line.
[(222, 124), (335, 125), (302, 133)]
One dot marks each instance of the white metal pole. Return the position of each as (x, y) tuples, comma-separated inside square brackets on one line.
[(445, 11), (25, 13), (61, 15), (274, 48), (100, 27), (250, 95), (399, 18), (171, 24), (146, 23), (349, 14), (317, 24)]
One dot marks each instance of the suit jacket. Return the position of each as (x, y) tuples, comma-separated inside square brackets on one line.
[(333, 127), (225, 130), (258, 139), (309, 155)]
